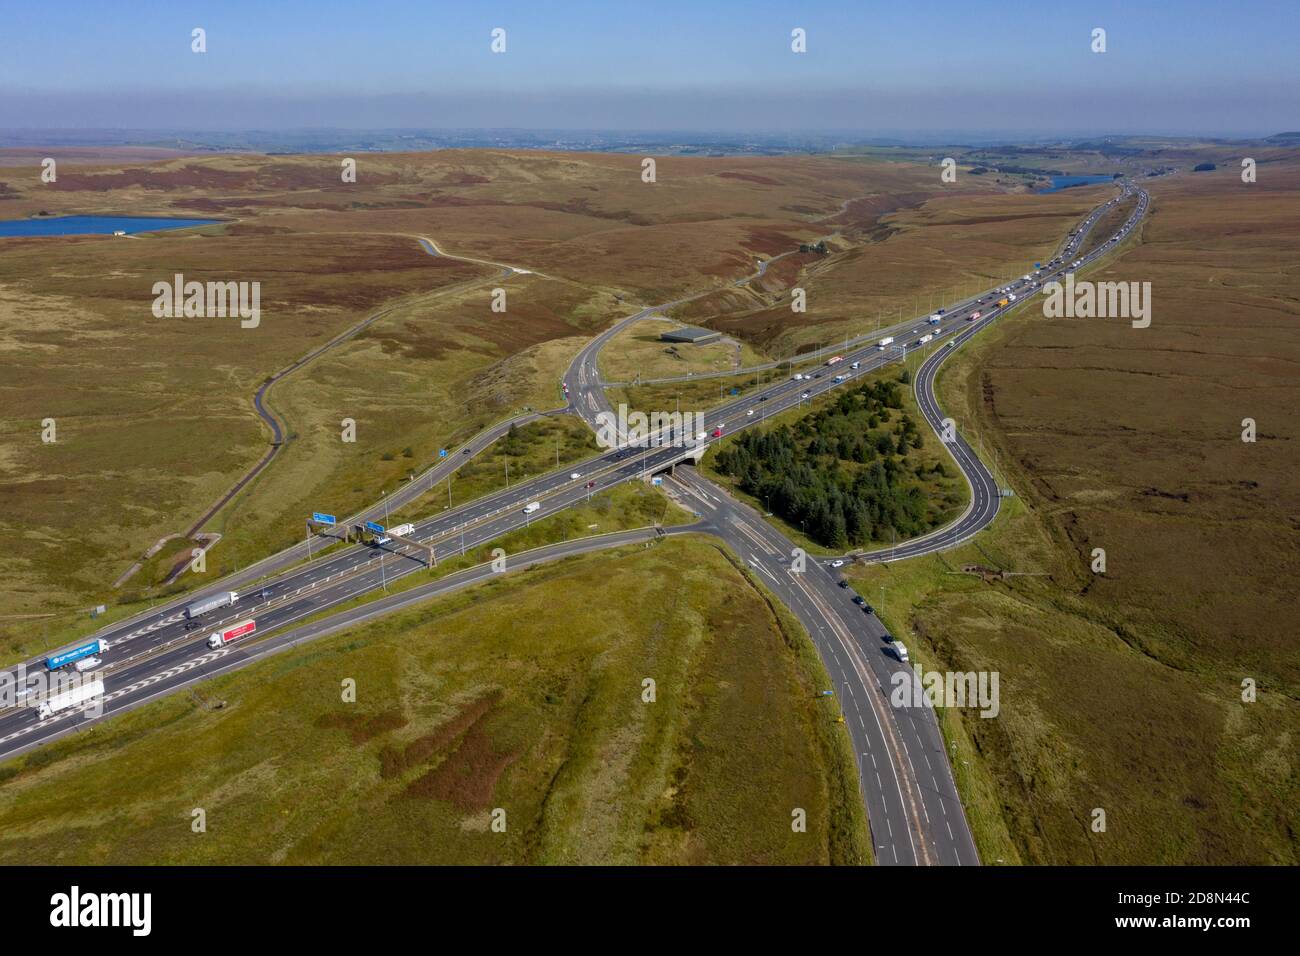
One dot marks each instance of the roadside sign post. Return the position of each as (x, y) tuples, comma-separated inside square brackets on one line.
[(318, 517)]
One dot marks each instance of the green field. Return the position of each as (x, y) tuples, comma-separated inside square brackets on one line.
[(523, 696)]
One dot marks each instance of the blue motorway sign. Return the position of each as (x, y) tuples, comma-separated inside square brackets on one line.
[(376, 528), (319, 518)]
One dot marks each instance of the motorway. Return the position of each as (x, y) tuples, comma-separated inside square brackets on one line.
[(154, 653), (913, 809)]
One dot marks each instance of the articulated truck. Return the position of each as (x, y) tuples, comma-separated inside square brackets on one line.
[(402, 530), (77, 656), (222, 599), (886, 341), (70, 698), (221, 638)]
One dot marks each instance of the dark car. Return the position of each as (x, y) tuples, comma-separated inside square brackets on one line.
[(889, 638), (859, 600), (467, 451), (869, 609), (844, 582)]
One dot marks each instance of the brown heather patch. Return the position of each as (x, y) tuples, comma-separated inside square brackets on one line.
[(394, 762), (189, 176), (751, 178), (467, 778), (363, 727)]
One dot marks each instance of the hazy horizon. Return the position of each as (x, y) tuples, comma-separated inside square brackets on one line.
[(1198, 69)]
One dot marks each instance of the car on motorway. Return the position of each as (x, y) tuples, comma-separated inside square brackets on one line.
[(837, 563), (531, 507), (762, 398), (804, 395), (591, 484), (856, 365), (869, 609), (574, 476), (859, 600), (844, 582), (717, 433), (748, 413), (887, 637), (466, 451)]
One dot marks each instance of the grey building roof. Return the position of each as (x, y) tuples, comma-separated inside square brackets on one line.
[(690, 333)]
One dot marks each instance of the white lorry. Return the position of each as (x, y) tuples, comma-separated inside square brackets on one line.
[(70, 698), (223, 599), (887, 340), (402, 530), (221, 638)]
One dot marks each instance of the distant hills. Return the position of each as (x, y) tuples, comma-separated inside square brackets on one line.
[(692, 143)]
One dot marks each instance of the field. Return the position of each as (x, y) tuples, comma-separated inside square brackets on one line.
[(1128, 690), (154, 417), (637, 351), (915, 258), (522, 699)]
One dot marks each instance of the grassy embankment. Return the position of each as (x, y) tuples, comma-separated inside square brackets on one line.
[(524, 695)]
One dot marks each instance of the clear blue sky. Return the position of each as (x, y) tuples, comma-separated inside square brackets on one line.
[(1229, 66)]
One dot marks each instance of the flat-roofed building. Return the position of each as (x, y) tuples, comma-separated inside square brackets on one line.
[(691, 334)]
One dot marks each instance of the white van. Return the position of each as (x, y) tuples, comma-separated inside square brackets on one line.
[(900, 651), (531, 507)]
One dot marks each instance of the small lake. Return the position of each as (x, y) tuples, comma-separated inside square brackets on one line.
[(92, 225), (1065, 182)]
